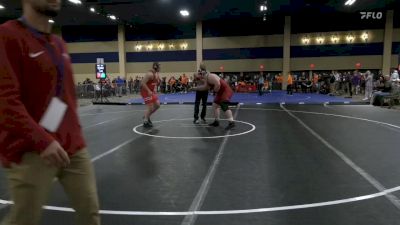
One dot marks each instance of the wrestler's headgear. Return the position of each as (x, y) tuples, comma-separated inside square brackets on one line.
[(156, 66), (202, 69)]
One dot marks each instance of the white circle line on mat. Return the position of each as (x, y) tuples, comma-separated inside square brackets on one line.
[(135, 129), (226, 212)]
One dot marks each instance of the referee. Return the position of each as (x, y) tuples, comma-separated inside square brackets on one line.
[(200, 96)]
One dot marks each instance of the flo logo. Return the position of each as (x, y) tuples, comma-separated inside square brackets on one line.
[(371, 15)]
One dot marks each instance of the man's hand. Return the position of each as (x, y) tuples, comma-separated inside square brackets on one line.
[(55, 155)]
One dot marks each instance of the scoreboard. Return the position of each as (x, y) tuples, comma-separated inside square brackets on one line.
[(101, 71)]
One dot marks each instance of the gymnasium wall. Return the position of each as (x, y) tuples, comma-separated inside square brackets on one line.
[(243, 45), (86, 44), (339, 55), (174, 46), (396, 48), (236, 45)]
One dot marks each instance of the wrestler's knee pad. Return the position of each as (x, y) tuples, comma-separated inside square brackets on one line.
[(225, 106)]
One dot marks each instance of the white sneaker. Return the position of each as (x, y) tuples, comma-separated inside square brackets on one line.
[(365, 99)]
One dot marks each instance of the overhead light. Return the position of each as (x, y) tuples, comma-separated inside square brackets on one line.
[(350, 38), (171, 46), (335, 39), (365, 36), (92, 9), (184, 12), (263, 8), (305, 40), (138, 47), (161, 47), (349, 2), (264, 18), (77, 2), (320, 40), (112, 17), (2, 7), (184, 46), (51, 21)]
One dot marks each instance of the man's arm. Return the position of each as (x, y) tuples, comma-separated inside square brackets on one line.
[(14, 117), (201, 84), (214, 81), (203, 87)]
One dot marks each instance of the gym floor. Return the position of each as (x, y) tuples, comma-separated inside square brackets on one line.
[(281, 165)]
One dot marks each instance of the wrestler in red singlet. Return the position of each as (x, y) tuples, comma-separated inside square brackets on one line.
[(149, 93), (151, 84)]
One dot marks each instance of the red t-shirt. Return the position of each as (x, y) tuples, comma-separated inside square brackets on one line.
[(28, 79)]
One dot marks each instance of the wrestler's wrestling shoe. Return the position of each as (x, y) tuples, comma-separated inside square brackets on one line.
[(230, 126), (214, 124)]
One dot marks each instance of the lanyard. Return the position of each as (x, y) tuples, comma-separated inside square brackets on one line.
[(57, 61)]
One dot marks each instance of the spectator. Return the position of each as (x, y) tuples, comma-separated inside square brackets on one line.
[(368, 85), (355, 81), (289, 87), (120, 83), (395, 76), (130, 85), (136, 85), (185, 83), (348, 84), (260, 84)]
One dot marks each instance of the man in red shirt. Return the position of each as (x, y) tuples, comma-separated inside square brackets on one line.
[(40, 135), (149, 93)]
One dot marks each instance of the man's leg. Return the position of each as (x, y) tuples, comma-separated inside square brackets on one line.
[(204, 97), (149, 111), (147, 114), (216, 108), (29, 183), (366, 93), (228, 114), (79, 182), (350, 89), (156, 106), (216, 115), (196, 106)]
